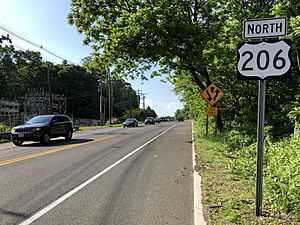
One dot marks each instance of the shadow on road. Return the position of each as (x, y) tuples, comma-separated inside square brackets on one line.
[(57, 142)]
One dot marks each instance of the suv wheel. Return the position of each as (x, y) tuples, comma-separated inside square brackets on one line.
[(68, 136), (45, 139), (17, 142)]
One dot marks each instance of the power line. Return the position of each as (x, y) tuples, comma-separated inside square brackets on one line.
[(14, 33)]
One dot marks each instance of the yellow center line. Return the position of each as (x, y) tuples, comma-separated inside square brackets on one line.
[(10, 161)]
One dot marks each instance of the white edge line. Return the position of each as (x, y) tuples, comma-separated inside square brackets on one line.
[(52, 205), (198, 207)]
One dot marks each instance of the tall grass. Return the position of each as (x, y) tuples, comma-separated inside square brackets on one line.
[(229, 159)]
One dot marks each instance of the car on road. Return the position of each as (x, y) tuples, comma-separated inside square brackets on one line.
[(157, 120), (131, 122), (42, 128), (149, 120)]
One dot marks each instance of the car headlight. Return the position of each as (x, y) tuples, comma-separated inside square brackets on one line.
[(38, 128), (13, 130)]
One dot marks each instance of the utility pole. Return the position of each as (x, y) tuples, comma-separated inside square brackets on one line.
[(109, 103), (128, 87), (144, 101), (5, 38), (66, 104), (104, 105), (100, 90), (141, 95), (139, 92), (110, 100), (130, 104), (50, 110)]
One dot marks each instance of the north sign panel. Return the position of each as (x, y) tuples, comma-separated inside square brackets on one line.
[(262, 28)]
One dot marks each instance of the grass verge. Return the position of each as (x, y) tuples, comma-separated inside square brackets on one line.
[(228, 198)]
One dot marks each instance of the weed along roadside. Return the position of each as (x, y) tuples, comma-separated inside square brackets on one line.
[(227, 163)]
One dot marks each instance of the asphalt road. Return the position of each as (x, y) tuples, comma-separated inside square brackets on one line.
[(139, 176)]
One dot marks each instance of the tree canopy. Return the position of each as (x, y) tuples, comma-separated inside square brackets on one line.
[(193, 42), (137, 36)]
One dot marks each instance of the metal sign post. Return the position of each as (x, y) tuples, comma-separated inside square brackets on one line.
[(206, 124), (260, 145)]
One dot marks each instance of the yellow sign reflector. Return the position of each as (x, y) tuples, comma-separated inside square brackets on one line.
[(212, 111)]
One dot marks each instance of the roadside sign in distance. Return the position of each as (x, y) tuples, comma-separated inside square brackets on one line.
[(263, 60)]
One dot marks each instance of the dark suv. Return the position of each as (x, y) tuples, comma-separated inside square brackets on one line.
[(43, 128)]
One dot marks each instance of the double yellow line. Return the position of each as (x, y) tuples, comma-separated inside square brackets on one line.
[(34, 155)]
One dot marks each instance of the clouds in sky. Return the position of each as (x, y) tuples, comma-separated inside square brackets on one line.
[(164, 108), (158, 95)]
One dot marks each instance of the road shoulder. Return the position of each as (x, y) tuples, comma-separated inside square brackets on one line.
[(198, 206)]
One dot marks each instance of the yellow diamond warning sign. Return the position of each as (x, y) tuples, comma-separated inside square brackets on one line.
[(212, 94)]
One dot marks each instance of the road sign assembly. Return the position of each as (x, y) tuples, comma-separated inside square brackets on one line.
[(260, 61)]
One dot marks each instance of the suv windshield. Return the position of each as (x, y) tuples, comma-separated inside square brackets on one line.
[(40, 119)]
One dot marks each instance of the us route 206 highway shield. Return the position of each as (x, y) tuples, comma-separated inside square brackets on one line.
[(263, 60)]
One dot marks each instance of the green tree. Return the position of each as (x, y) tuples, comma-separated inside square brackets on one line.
[(133, 37), (20, 71), (148, 112)]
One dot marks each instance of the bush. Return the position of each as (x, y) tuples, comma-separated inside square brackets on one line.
[(244, 162), (236, 140), (283, 175), (281, 166), (3, 128)]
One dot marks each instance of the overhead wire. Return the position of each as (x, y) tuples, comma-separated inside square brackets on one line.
[(83, 95), (21, 37), (73, 94)]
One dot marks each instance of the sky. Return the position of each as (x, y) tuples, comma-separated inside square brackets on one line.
[(44, 23)]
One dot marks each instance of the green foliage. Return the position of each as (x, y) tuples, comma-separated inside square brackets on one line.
[(229, 178), (182, 114), (148, 112), (136, 35), (3, 128), (236, 140), (294, 115), (281, 167), (283, 174)]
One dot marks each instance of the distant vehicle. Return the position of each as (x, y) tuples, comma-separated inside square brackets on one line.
[(157, 120), (163, 119), (131, 122), (149, 120), (42, 128)]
